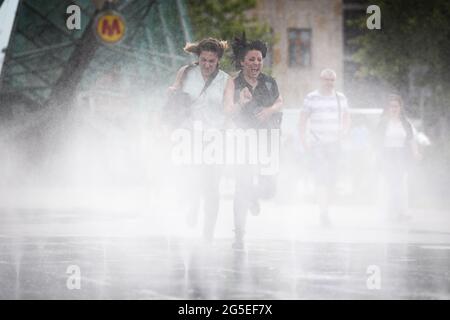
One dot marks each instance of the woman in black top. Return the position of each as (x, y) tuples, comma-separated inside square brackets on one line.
[(253, 101)]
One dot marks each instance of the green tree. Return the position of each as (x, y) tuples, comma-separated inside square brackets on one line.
[(410, 52), (225, 19)]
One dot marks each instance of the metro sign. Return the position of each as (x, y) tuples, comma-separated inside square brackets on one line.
[(110, 27)]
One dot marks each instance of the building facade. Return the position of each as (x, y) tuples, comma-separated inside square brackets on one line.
[(309, 38)]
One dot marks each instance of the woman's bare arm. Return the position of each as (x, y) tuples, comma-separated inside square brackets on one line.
[(278, 105), (228, 97), (177, 84), (266, 113)]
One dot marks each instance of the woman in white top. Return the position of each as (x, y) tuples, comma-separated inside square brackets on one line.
[(398, 147), (203, 83), (202, 87)]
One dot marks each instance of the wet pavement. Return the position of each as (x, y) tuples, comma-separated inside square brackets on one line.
[(134, 256), (155, 268)]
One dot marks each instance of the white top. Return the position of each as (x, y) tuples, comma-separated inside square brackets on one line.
[(324, 123), (208, 107), (395, 136)]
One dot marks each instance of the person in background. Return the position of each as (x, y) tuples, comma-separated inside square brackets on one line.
[(325, 113), (397, 148)]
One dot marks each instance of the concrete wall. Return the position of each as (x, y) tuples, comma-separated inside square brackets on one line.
[(324, 18)]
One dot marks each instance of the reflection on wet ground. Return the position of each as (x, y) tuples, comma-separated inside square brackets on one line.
[(183, 268)]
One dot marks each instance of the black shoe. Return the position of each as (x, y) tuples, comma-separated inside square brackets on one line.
[(238, 244)]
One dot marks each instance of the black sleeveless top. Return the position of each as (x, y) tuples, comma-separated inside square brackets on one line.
[(264, 95)]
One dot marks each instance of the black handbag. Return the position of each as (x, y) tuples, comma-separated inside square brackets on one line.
[(177, 107)]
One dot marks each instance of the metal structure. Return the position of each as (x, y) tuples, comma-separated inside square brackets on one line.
[(46, 63)]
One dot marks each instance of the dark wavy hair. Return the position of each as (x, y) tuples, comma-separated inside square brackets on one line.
[(208, 44), (241, 46)]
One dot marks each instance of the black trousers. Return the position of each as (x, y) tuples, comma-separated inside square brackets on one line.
[(204, 184), (251, 185)]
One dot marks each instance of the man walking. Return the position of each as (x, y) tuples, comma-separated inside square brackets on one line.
[(325, 115)]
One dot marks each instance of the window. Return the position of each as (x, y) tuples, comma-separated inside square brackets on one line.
[(299, 47), (268, 61)]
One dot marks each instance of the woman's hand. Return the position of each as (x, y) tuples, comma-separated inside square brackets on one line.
[(264, 114), (171, 90), (177, 84), (245, 96)]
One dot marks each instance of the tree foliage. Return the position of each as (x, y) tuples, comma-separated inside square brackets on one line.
[(411, 53), (414, 39), (225, 19)]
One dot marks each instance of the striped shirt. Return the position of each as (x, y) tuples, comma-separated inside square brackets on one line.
[(324, 123)]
